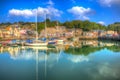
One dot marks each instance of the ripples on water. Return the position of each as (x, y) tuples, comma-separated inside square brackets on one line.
[(89, 61)]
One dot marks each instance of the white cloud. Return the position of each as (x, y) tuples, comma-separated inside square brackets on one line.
[(109, 3), (27, 13), (80, 12), (50, 2), (101, 22), (54, 12)]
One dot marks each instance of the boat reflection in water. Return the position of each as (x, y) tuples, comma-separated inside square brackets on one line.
[(91, 60)]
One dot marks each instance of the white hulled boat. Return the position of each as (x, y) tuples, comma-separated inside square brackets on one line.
[(37, 43)]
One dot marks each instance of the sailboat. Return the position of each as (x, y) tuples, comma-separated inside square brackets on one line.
[(36, 42)]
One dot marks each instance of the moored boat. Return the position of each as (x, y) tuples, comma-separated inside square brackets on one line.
[(37, 44)]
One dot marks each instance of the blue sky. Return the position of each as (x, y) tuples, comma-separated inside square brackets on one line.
[(100, 11)]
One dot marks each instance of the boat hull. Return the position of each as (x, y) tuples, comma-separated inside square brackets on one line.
[(36, 44)]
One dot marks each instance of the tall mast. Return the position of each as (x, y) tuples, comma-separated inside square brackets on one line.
[(36, 27), (57, 26), (45, 27)]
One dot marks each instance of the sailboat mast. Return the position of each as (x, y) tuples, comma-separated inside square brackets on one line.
[(45, 27), (36, 27), (57, 25)]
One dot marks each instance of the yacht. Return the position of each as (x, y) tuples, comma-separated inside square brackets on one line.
[(37, 42)]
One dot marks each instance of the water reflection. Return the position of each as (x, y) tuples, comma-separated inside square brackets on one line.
[(87, 47), (92, 60)]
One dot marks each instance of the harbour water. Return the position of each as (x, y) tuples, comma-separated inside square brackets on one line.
[(100, 61)]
